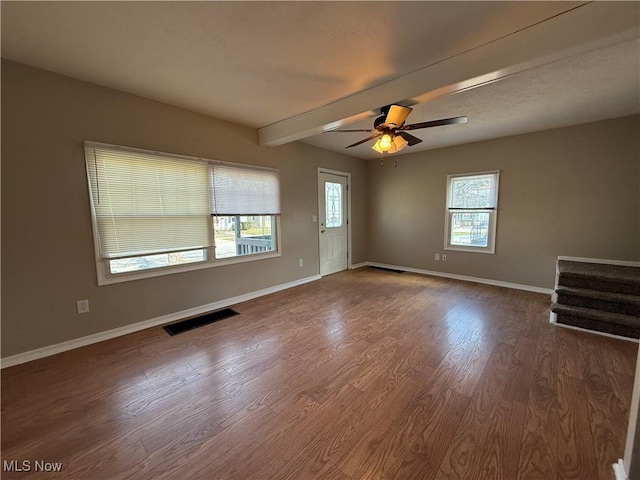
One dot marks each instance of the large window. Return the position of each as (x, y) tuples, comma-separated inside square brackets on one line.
[(156, 213), (472, 201)]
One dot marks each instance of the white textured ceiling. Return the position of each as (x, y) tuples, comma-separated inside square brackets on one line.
[(592, 86), (261, 63)]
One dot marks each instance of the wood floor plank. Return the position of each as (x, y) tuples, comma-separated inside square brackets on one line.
[(464, 455), (112, 458), (607, 409), (180, 459), (363, 374), (493, 381), (576, 454), (416, 467), (499, 460), (330, 472), (538, 455), (520, 371), (418, 428), (568, 362), (307, 431)]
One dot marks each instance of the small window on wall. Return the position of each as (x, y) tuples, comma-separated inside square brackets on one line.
[(472, 202)]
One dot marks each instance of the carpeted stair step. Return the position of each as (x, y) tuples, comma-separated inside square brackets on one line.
[(596, 276), (599, 300), (614, 323)]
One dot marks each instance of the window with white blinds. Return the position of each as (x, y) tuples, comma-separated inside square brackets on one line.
[(153, 210), (237, 190), (147, 203)]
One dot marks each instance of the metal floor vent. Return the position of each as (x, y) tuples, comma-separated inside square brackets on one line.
[(196, 322), (388, 269)]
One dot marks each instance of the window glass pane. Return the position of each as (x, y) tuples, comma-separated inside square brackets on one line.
[(333, 203), (244, 235), (146, 262), (472, 192), (470, 229)]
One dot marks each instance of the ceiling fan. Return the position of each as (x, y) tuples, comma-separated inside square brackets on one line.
[(391, 131)]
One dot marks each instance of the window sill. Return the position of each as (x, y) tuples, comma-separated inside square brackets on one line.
[(485, 250), (105, 278)]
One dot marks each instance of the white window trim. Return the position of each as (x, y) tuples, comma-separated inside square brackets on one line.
[(105, 277), (493, 217)]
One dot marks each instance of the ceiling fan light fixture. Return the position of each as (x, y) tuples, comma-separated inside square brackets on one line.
[(376, 147), (385, 142), (399, 142)]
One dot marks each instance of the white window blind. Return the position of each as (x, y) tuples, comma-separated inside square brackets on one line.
[(147, 203), (238, 190)]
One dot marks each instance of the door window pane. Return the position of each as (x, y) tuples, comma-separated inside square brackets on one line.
[(333, 203)]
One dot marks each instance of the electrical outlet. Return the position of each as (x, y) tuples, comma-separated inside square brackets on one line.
[(82, 306), (437, 257), (301, 262), (444, 257)]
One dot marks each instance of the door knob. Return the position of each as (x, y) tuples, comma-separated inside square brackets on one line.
[(322, 231)]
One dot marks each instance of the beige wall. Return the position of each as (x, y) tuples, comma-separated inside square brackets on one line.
[(570, 191), (48, 258)]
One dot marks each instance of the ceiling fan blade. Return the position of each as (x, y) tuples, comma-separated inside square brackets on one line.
[(397, 115), (368, 130), (365, 140), (436, 123), (410, 138)]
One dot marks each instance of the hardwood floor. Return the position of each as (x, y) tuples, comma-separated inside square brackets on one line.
[(365, 374)]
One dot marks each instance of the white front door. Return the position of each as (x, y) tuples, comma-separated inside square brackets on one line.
[(332, 206)]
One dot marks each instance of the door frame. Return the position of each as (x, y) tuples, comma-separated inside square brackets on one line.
[(347, 175)]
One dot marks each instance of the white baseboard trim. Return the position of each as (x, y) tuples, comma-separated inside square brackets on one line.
[(135, 327), (358, 265), (618, 469), (465, 278)]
